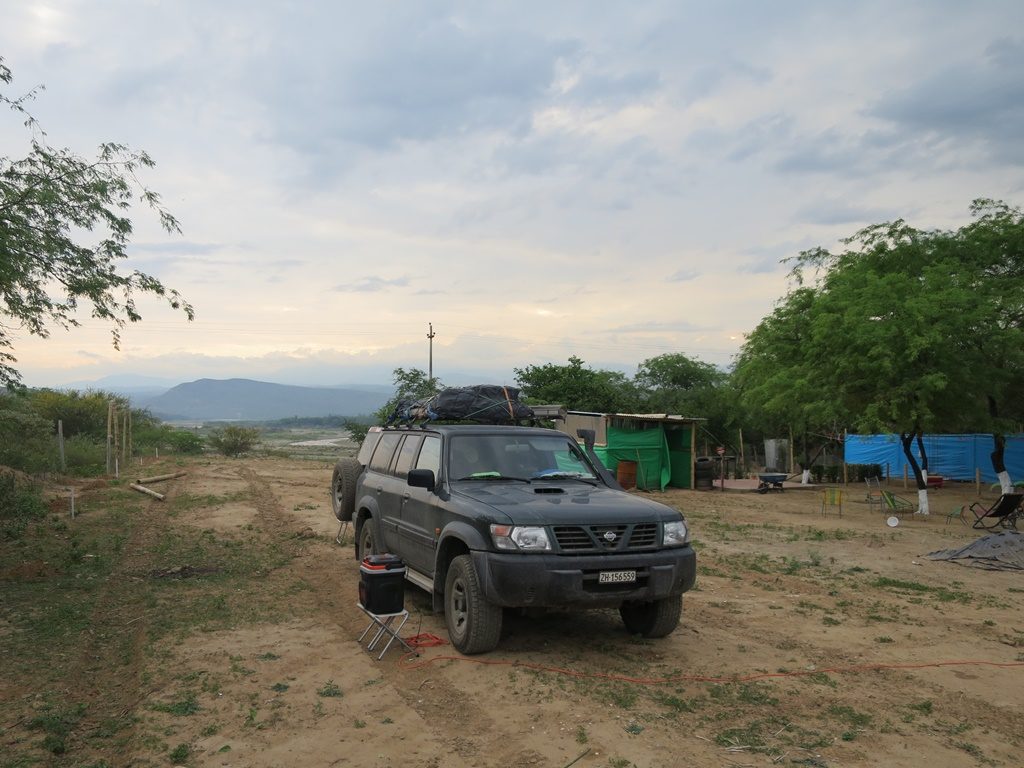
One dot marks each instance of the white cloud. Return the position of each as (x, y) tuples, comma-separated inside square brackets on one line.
[(525, 176)]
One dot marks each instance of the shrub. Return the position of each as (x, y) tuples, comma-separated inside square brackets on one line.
[(83, 413), (85, 456), (234, 441), (167, 438), (26, 438), (20, 504)]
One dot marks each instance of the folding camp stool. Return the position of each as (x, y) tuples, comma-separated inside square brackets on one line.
[(388, 625)]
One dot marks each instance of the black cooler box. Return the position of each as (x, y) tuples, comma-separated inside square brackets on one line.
[(382, 584)]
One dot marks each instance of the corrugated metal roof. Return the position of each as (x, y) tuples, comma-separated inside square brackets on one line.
[(643, 416)]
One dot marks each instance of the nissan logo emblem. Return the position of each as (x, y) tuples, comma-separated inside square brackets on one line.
[(609, 536)]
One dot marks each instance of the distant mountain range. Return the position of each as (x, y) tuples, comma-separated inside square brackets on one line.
[(245, 399)]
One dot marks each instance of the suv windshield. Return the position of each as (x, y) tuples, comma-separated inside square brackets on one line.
[(520, 457)]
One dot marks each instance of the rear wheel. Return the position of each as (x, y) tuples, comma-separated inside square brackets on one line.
[(474, 624), (343, 488), (367, 541), (656, 618)]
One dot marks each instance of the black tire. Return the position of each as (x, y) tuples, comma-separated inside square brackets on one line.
[(343, 488), (474, 624), (367, 539), (654, 619)]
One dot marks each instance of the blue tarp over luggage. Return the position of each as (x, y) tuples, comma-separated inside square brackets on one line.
[(952, 456)]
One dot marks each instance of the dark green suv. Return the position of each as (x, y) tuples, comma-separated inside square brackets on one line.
[(491, 517)]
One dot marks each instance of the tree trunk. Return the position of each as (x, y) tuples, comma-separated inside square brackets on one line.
[(999, 463), (907, 440)]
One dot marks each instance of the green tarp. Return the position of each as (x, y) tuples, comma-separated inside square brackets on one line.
[(647, 447)]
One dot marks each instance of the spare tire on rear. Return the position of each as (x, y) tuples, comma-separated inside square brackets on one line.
[(343, 488)]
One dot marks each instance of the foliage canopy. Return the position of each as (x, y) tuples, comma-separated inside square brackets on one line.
[(49, 200)]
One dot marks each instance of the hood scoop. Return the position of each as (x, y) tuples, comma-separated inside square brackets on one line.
[(548, 489)]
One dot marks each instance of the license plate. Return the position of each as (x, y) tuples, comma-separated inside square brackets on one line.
[(616, 577)]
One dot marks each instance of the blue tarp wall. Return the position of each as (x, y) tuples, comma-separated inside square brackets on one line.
[(953, 456)]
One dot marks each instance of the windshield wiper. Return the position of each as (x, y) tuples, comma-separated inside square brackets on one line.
[(567, 476), (493, 476)]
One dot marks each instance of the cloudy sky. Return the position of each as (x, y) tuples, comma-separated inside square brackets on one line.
[(610, 180)]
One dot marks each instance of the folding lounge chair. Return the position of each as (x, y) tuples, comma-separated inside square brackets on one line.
[(896, 505), (1005, 512), (832, 498)]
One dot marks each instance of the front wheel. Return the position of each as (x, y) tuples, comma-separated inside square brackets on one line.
[(652, 619), (474, 624)]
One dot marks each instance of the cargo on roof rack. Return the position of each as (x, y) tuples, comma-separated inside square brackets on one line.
[(481, 403)]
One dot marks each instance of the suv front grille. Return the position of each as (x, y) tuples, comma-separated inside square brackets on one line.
[(606, 538)]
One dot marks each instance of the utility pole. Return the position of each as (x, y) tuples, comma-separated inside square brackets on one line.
[(430, 364)]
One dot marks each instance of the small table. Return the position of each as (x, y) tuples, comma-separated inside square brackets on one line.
[(388, 625)]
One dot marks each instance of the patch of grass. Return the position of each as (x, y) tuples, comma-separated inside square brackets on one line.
[(634, 728), (941, 593), (821, 678), (181, 708), (279, 687), (883, 639), (182, 502), (329, 690), (56, 722), (971, 749), (830, 621), (924, 707), (621, 695), (180, 753), (749, 736), (357, 723), (849, 715), (581, 735), (268, 656), (676, 703)]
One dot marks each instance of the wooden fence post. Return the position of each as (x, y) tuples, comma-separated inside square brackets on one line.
[(60, 445)]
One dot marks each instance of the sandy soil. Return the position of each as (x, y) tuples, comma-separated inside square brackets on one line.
[(811, 639)]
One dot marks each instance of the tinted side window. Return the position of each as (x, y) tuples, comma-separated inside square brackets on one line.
[(430, 455), (385, 450), (407, 454), (366, 449)]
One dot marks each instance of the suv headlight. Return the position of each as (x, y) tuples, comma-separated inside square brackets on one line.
[(675, 534), (530, 538)]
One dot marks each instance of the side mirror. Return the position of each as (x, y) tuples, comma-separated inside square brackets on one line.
[(422, 478)]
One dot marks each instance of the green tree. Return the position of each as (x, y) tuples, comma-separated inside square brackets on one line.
[(49, 200), (578, 387), (994, 245), (677, 383), (233, 440), (410, 384), (896, 333)]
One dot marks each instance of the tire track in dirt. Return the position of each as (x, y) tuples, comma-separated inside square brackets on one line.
[(454, 716), (107, 673)]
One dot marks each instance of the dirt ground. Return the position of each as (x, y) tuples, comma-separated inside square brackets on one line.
[(224, 633)]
